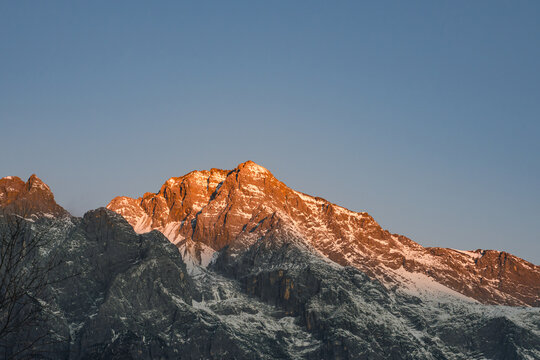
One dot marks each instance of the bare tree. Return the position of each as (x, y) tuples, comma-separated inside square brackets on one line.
[(26, 266)]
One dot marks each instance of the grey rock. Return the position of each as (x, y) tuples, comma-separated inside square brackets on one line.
[(130, 296)]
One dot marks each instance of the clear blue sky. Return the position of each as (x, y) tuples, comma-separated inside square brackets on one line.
[(425, 114)]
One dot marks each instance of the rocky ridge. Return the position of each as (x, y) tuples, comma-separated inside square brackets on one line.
[(206, 211)]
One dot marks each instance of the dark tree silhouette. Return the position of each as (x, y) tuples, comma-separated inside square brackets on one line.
[(26, 266)]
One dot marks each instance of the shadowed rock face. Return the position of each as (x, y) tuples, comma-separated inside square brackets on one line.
[(358, 318), (132, 298), (205, 211), (30, 198)]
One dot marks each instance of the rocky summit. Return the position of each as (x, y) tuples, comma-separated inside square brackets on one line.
[(205, 211), (32, 197), (234, 264)]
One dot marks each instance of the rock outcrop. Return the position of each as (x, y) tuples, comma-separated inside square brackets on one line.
[(32, 197)]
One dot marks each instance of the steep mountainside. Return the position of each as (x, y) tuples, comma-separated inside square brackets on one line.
[(269, 293), (278, 298), (131, 298), (205, 211)]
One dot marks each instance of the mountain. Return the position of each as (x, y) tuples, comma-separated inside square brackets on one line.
[(131, 298), (32, 197), (205, 212), (242, 288)]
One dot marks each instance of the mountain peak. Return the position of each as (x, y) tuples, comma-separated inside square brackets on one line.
[(32, 197), (36, 183), (252, 167), (205, 211)]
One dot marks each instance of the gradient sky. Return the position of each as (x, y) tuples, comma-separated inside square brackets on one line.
[(425, 114)]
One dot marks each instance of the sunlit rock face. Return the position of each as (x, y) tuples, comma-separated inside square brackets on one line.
[(205, 211), (32, 197)]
